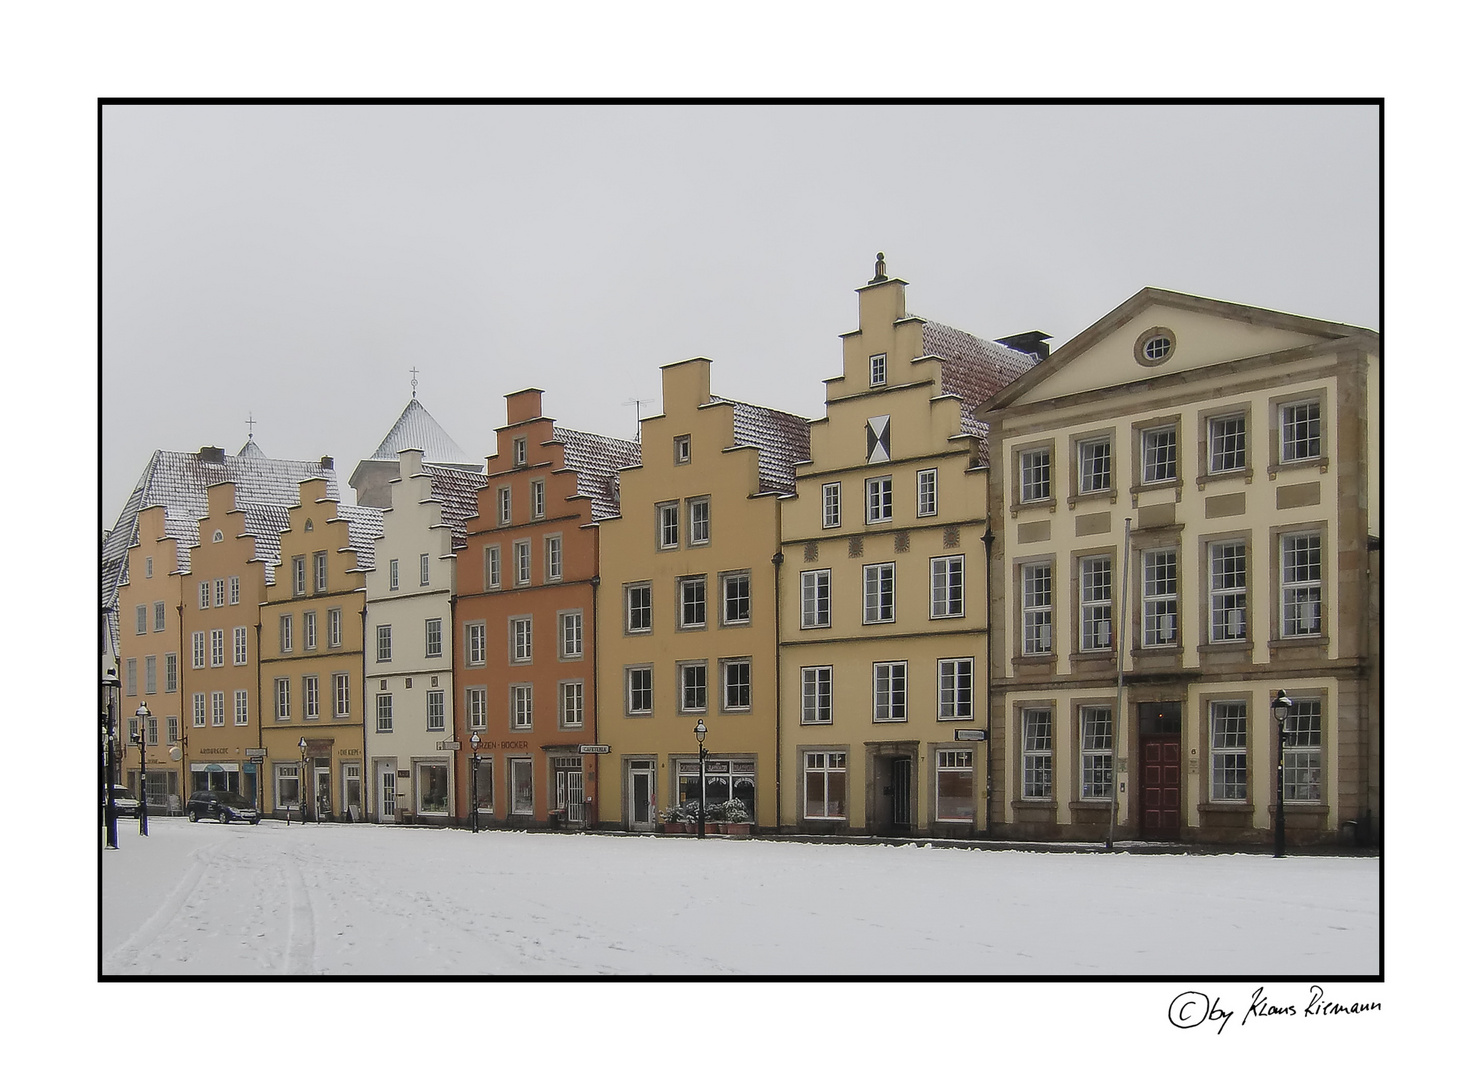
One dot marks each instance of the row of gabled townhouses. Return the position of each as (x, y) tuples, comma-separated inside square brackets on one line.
[(904, 617)]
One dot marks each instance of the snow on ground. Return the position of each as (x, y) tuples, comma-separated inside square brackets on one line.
[(273, 900)]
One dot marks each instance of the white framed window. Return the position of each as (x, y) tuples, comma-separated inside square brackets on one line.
[(638, 600), (342, 693), (1301, 431), (240, 708), (475, 636), (640, 687), (285, 633), (311, 697), (1034, 475), (831, 515), (219, 588), (491, 567), (383, 644), (1302, 769), (522, 562), (824, 773), (521, 706), (693, 686), (218, 648), (218, 708), (818, 695), (159, 616), (383, 714), (1036, 755), (955, 688), (424, 570), (1094, 458), (947, 588), (736, 685), (520, 451), (152, 731), (336, 628), (434, 637), (1096, 603), (172, 729), (300, 576), (699, 517), (571, 698), (890, 691), (131, 677), (879, 593), (521, 786), (198, 649), (141, 618), (283, 699), (436, 719), (198, 709), (926, 493), (203, 600), (172, 673), (1301, 585), (1227, 443), (521, 640), (537, 499), (681, 449), (234, 590), (503, 505), (816, 598), (666, 516), (1227, 751), (1037, 609), (239, 646), (286, 786), (149, 567), (1159, 598), (477, 698), (311, 630), (432, 787), (571, 634), (1159, 455), (954, 793), (321, 571), (877, 369), (151, 675), (1096, 752), (553, 558), (878, 505), (735, 588), (1227, 591), (691, 603), (393, 572)]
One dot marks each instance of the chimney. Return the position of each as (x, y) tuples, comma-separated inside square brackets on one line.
[(327, 463), (1034, 342), (212, 455)]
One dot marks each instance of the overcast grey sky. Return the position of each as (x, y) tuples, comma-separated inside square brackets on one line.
[(294, 262)]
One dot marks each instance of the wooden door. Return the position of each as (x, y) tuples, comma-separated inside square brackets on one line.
[(1159, 793)]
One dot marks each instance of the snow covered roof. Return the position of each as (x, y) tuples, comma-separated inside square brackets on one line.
[(415, 429), (597, 459), (973, 369), (781, 438), (366, 525), (457, 490)]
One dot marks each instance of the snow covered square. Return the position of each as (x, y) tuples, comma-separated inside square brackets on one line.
[(273, 900)]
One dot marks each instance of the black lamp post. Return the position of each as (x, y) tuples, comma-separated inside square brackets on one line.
[(700, 734), (303, 782), (143, 714), (110, 706), (1281, 708), (473, 798)]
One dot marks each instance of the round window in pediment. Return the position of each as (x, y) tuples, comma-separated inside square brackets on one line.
[(1154, 346)]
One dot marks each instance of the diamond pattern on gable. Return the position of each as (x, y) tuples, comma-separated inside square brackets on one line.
[(877, 439)]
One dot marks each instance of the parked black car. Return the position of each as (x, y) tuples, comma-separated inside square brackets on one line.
[(124, 803), (224, 806)]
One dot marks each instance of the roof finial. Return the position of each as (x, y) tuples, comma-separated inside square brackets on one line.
[(250, 422), (414, 382), (879, 267)]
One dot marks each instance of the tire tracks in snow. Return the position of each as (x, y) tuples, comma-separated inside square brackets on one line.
[(124, 959)]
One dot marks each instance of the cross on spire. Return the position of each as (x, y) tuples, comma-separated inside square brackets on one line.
[(250, 422), (414, 382)]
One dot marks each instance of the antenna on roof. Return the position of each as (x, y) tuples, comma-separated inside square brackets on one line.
[(414, 382), (638, 404)]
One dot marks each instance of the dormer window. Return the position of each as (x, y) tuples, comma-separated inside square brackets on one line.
[(877, 369), (681, 449)]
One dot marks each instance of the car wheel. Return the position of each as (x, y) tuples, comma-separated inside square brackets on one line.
[(256, 820), (193, 815), (223, 817)]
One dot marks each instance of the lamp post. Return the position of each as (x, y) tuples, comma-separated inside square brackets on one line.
[(110, 706), (143, 714), (1281, 708), (473, 798), (700, 734), (303, 780)]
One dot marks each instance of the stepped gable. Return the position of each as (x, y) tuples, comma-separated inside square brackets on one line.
[(415, 429), (781, 438), (366, 525), (457, 490), (597, 459), (972, 369)]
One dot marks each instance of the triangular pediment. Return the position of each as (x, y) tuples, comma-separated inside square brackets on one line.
[(1158, 333)]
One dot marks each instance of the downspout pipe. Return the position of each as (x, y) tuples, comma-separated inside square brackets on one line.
[(988, 680), (777, 688)]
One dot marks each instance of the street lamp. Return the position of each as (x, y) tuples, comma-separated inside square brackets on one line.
[(303, 780), (143, 714), (473, 799), (700, 734), (110, 706), (1281, 708)]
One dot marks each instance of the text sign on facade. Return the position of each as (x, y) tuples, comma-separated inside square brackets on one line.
[(596, 748), (450, 744), (969, 734), (256, 753)]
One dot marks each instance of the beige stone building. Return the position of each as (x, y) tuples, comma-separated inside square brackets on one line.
[(882, 657), (1224, 461)]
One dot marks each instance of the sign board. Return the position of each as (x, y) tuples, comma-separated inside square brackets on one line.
[(450, 744), (595, 748), (969, 734), (256, 753)]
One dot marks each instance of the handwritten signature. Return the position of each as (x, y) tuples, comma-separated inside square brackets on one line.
[(1191, 1008)]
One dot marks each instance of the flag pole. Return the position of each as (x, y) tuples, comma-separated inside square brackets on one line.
[(1111, 825)]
